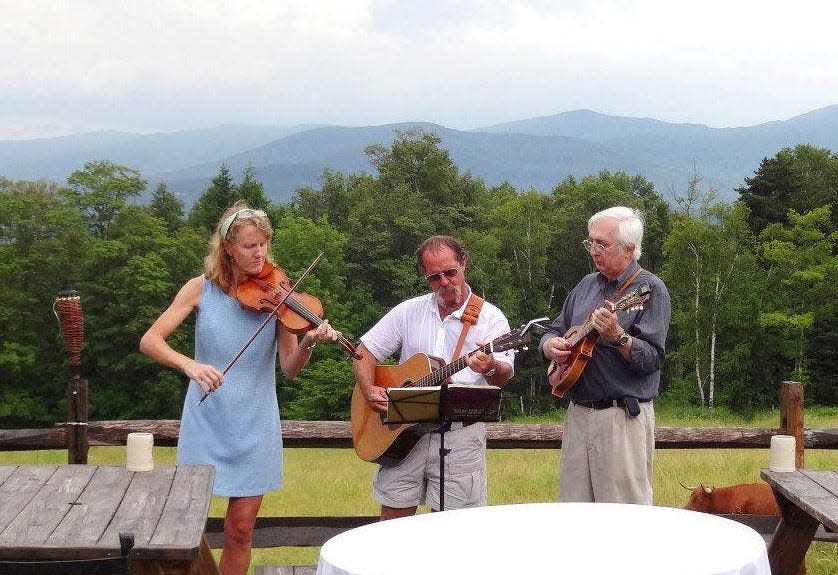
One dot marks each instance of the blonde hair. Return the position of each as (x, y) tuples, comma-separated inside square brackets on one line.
[(217, 265)]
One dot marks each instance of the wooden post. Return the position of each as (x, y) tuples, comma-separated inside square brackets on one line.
[(77, 413), (791, 423), (791, 416)]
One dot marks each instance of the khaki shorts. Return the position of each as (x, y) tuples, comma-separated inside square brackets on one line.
[(416, 479)]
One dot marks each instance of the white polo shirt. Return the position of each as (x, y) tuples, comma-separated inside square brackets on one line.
[(414, 326)]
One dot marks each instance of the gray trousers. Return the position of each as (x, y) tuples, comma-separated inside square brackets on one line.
[(607, 456)]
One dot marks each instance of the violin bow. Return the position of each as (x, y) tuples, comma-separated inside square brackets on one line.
[(267, 320)]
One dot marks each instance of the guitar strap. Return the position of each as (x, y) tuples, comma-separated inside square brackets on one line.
[(469, 318), (616, 295)]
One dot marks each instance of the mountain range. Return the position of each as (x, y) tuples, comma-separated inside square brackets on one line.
[(535, 153)]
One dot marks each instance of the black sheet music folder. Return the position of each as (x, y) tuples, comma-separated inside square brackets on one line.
[(463, 403)]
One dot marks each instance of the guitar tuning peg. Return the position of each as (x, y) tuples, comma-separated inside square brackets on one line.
[(525, 348)]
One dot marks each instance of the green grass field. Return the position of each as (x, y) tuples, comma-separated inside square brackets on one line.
[(336, 482)]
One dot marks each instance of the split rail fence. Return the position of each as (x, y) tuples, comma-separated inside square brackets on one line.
[(78, 434)]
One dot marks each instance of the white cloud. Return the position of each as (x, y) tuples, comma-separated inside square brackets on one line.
[(81, 65)]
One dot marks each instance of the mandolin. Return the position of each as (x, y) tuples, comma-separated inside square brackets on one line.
[(583, 338)]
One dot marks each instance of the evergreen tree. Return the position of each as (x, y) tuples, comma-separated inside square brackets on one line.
[(800, 179), (252, 191), (166, 206), (220, 195)]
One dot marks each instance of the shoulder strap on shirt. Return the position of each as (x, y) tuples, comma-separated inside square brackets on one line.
[(469, 318)]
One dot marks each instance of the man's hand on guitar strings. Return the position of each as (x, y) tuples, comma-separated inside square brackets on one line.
[(480, 362), (377, 397)]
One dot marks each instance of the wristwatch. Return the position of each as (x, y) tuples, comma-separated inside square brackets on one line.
[(492, 371), (621, 340)]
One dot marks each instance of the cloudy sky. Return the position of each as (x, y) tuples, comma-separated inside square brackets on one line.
[(155, 65)]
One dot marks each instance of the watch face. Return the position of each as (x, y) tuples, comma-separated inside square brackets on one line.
[(622, 340)]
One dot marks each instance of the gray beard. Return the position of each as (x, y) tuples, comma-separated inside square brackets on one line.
[(441, 302)]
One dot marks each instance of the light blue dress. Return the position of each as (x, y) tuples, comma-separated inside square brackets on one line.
[(237, 428)]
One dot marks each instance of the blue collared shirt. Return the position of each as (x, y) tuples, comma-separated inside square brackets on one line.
[(607, 374)]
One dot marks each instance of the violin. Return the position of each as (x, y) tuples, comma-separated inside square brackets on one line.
[(271, 291)]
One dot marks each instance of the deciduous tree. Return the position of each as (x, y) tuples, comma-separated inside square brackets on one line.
[(101, 190)]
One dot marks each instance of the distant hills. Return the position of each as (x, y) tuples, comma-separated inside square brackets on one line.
[(533, 153)]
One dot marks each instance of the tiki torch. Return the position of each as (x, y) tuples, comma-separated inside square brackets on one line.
[(67, 308)]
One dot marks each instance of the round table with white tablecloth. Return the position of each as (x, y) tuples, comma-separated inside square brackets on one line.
[(549, 538)]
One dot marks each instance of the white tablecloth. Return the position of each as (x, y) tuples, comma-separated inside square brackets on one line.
[(549, 538)]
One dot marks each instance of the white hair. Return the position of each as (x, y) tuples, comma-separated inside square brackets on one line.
[(629, 228)]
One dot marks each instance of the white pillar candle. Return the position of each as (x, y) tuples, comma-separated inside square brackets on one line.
[(782, 453), (139, 452)]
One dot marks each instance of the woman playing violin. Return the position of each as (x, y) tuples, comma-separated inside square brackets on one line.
[(237, 428)]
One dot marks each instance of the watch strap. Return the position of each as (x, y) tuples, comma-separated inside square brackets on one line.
[(621, 340)]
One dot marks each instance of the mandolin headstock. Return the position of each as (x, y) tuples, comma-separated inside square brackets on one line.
[(634, 299)]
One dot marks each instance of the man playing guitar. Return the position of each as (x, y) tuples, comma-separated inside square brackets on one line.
[(433, 324), (608, 441)]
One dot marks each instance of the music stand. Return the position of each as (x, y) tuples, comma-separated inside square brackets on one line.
[(443, 405)]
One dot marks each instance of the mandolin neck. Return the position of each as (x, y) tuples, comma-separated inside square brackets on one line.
[(585, 329), (581, 333)]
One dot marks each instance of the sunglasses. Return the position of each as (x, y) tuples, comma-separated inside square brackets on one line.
[(449, 273)]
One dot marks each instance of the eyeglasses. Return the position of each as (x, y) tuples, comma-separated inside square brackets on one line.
[(597, 246), (245, 213), (449, 273)]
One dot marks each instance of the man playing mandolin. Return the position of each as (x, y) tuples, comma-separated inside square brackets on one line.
[(433, 324), (608, 443)]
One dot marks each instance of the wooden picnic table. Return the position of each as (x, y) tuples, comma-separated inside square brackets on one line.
[(50, 512), (807, 498)]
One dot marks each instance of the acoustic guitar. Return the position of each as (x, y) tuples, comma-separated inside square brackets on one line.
[(582, 339), (387, 444)]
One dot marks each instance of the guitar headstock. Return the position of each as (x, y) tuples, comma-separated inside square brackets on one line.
[(634, 299), (518, 338)]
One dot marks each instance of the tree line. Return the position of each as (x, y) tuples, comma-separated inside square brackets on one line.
[(750, 280)]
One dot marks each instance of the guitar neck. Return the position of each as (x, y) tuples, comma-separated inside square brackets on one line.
[(446, 371)]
